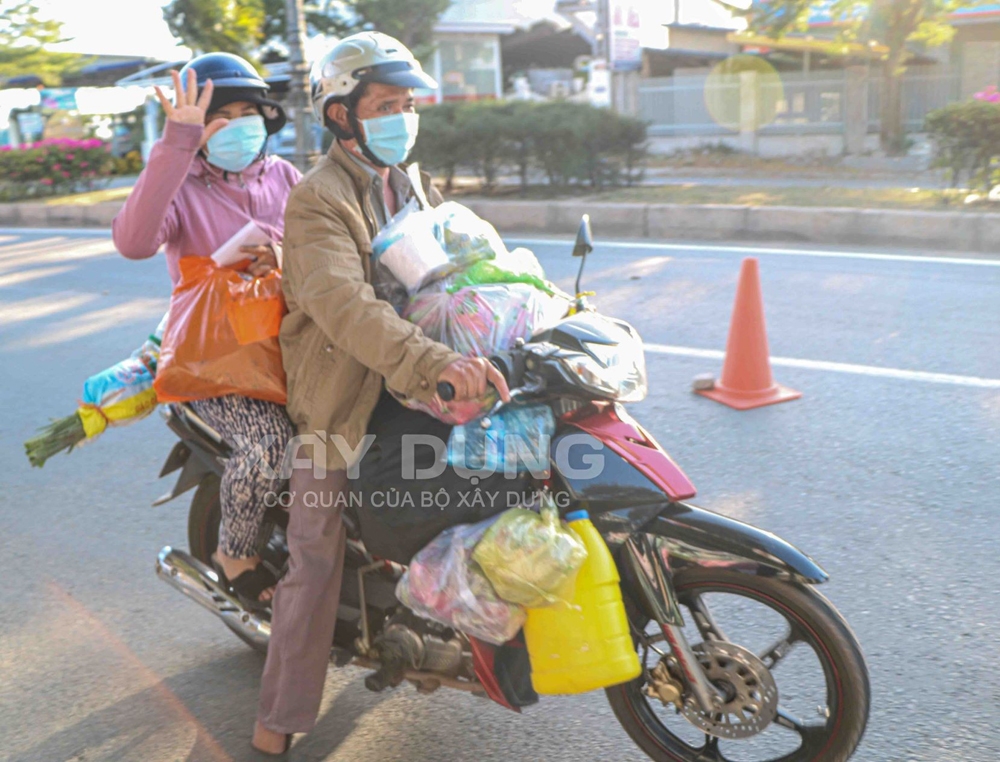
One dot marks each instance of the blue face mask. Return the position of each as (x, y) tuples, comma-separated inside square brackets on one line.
[(235, 146), (391, 137)]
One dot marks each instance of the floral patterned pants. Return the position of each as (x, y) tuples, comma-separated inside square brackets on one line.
[(258, 433)]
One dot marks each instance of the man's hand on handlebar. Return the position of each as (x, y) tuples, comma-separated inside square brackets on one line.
[(471, 376)]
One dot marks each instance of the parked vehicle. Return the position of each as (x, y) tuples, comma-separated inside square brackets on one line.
[(721, 612)]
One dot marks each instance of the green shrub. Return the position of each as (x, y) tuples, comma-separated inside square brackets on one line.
[(570, 143), (521, 118), (52, 167), (482, 130), (967, 141), (438, 145), (129, 164)]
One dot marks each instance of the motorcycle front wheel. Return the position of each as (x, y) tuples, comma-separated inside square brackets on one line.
[(778, 646)]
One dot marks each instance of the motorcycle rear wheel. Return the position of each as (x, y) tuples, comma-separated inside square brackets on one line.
[(812, 621), (204, 519)]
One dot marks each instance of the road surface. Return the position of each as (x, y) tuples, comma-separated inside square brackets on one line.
[(885, 472)]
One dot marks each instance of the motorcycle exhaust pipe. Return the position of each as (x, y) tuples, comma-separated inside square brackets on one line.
[(201, 584)]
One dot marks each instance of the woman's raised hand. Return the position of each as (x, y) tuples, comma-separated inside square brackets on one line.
[(190, 108)]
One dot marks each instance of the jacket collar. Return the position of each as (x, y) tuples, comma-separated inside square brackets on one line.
[(362, 180), (210, 173), (338, 155)]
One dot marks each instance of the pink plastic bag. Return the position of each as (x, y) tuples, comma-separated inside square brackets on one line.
[(444, 584), (479, 321)]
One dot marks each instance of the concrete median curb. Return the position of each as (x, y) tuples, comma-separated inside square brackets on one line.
[(946, 231), (59, 215)]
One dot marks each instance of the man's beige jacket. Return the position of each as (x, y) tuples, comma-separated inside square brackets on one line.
[(338, 340)]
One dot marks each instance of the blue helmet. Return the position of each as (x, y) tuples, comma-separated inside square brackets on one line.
[(235, 79), (225, 70)]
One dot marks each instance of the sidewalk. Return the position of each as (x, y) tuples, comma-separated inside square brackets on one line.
[(960, 231)]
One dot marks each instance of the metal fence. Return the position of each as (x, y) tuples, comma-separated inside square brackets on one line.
[(794, 103), (676, 106), (922, 94)]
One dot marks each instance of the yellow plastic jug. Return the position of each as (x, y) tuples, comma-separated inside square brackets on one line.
[(587, 645)]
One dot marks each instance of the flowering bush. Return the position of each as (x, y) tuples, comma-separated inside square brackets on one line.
[(990, 95), (967, 138), (52, 167)]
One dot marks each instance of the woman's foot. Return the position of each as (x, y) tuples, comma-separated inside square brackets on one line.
[(269, 742), (234, 567)]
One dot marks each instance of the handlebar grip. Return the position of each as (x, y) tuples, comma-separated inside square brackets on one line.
[(445, 391)]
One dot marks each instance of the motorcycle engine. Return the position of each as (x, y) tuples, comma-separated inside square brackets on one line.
[(410, 643)]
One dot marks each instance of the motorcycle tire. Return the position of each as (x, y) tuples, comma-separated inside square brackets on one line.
[(829, 635), (204, 519)]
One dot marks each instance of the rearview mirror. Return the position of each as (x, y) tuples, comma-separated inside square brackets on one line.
[(584, 239)]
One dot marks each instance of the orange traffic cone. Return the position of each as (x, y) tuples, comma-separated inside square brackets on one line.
[(746, 372)]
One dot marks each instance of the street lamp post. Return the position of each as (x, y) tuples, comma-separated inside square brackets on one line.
[(298, 87)]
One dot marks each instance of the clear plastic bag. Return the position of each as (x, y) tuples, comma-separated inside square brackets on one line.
[(531, 559), (408, 246), (478, 322), (118, 396), (517, 266), (466, 236), (482, 320), (420, 246), (513, 441), (442, 583)]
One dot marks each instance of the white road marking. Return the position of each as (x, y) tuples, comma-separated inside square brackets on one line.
[(988, 260), (755, 250), (838, 367)]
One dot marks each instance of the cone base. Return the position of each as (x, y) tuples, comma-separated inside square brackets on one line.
[(740, 400)]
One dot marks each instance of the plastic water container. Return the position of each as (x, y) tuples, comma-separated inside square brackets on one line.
[(587, 645)]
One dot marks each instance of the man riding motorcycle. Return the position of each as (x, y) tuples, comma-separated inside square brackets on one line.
[(341, 344)]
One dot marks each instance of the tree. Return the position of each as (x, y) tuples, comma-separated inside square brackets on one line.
[(208, 26), (893, 24), (243, 27), (23, 41), (409, 21), (326, 18)]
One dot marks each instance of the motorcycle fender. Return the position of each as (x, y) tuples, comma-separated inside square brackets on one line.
[(693, 536), (623, 435), (195, 468)]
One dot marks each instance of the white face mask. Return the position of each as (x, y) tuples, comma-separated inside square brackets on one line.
[(238, 144), (391, 137)]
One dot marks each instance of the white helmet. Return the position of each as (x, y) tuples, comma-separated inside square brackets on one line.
[(363, 57)]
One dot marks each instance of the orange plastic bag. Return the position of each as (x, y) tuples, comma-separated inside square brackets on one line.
[(255, 308), (222, 336)]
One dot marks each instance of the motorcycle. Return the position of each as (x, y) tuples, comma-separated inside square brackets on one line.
[(715, 606)]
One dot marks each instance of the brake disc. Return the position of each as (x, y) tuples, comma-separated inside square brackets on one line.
[(748, 691)]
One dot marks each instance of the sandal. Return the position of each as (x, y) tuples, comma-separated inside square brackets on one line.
[(249, 585)]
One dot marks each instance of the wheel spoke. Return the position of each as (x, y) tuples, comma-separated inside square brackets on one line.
[(812, 735), (774, 655), (704, 620), (710, 751)]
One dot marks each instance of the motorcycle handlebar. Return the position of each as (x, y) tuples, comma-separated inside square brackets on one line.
[(505, 362)]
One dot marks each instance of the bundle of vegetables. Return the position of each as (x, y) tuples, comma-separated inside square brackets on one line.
[(117, 396)]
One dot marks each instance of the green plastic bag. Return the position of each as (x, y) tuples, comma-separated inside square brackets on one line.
[(530, 559), (517, 266)]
